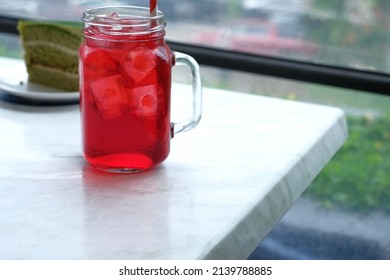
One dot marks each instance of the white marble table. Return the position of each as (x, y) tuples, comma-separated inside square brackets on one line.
[(220, 192)]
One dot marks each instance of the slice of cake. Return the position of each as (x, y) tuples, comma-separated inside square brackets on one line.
[(51, 52)]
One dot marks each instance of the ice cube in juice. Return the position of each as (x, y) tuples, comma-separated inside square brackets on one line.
[(110, 97), (138, 63)]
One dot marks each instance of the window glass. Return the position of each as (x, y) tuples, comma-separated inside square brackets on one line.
[(345, 213), (345, 33), (10, 46)]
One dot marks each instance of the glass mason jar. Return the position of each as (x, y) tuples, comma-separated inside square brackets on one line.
[(125, 89)]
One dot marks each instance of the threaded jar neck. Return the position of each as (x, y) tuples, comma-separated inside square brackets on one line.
[(123, 21)]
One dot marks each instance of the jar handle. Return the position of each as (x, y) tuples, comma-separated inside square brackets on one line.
[(192, 65)]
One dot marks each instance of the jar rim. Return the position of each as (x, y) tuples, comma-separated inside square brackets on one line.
[(136, 17)]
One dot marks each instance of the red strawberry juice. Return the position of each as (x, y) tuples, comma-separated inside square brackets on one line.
[(125, 83)]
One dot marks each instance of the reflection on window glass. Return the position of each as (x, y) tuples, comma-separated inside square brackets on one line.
[(345, 213), (346, 33)]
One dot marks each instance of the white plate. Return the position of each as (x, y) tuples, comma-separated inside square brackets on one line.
[(13, 80)]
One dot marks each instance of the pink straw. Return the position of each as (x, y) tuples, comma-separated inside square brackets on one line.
[(153, 7)]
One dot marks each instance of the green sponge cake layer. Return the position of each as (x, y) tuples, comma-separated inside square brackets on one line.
[(40, 53), (51, 52), (51, 77)]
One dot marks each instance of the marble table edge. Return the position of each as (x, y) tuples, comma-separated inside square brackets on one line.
[(246, 235)]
